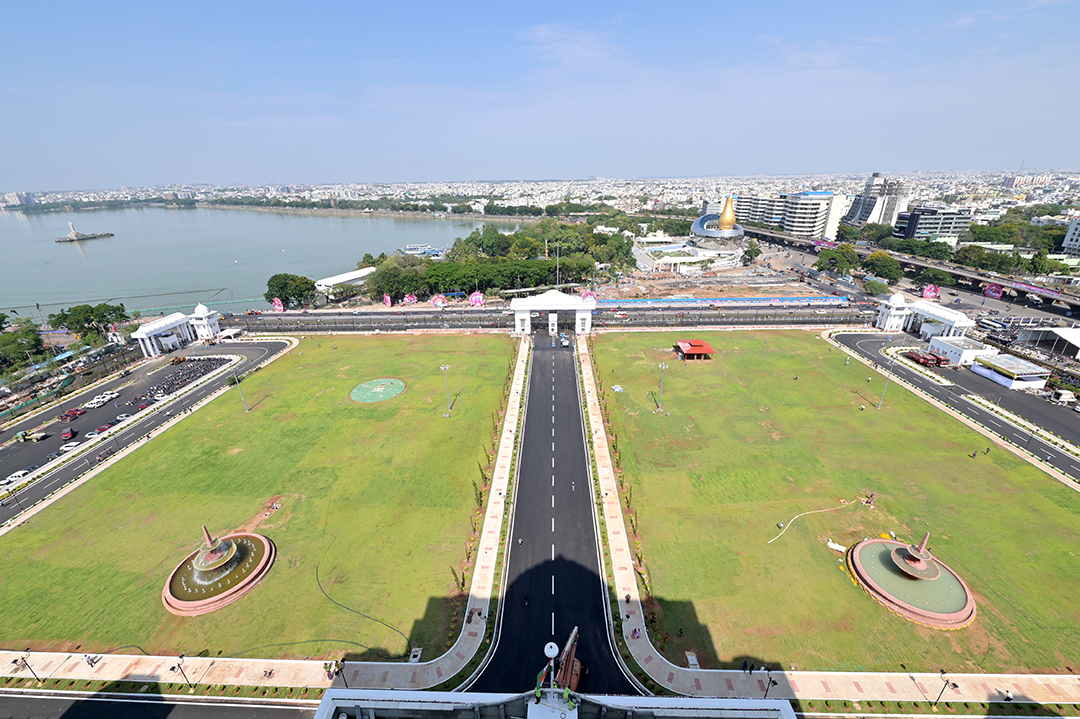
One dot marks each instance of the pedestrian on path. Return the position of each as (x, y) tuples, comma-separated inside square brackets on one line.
[(526, 600), (1008, 695), (987, 451), (744, 666)]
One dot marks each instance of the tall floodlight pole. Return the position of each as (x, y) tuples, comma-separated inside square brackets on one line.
[(888, 376), (446, 371), (236, 381), (663, 368)]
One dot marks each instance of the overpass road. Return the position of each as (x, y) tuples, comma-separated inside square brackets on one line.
[(1057, 420), (17, 455), (553, 576)]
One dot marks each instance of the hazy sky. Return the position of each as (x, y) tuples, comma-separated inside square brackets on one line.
[(100, 95)]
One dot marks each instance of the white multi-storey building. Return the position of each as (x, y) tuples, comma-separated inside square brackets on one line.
[(1071, 244), (881, 201)]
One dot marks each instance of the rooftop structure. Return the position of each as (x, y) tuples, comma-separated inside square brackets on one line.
[(356, 277), (718, 226), (552, 704), (693, 350)]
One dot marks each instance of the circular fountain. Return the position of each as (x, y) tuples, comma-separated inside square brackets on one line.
[(221, 571), (911, 582)]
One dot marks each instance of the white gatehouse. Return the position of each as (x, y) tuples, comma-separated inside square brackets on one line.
[(552, 302)]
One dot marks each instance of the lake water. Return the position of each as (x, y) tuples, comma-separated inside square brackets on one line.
[(164, 260)]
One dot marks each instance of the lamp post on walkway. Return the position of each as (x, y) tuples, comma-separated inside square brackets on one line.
[(663, 368), (24, 659), (770, 683), (944, 686), (446, 371), (179, 667)]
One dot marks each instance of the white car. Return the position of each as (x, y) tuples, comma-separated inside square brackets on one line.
[(122, 417), (69, 446), (16, 476), (819, 312)]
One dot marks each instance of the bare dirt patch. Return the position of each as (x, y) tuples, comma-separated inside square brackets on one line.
[(235, 450)]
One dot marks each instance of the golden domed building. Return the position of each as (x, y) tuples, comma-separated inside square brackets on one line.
[(720, 226)]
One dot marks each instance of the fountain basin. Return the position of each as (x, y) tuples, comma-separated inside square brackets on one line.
[(190, 592), (941, 602)]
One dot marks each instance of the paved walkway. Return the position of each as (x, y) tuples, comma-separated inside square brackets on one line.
[(789, 684), (424, 675)]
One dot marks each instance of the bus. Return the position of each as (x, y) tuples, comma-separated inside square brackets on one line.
[(987, 324)]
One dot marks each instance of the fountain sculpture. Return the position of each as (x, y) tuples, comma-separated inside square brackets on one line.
[(221, 571)]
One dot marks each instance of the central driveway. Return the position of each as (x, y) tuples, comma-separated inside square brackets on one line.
[(553, 557)]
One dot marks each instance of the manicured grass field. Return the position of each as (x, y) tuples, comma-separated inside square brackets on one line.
[(747, 446), (378, 496)]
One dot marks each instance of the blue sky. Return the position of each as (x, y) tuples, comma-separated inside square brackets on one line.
[(112, 94)]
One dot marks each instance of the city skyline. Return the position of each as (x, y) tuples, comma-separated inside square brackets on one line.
[(130, 95)]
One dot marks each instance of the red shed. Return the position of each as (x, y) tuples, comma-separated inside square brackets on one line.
[(693, 350)]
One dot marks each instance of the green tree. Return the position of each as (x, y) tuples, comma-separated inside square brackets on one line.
[(834, 261), (874, 287), (875, 233), (18, 346), (292, 290), (87, 320), (847, 233), (752, 252), (3, 320), (884, 266), (934, 276)]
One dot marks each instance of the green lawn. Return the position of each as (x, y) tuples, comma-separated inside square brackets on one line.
[(747, 446), (378, 496)]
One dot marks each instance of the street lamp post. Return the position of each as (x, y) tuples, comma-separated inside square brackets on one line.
[(446, 371), (770, 683), (25, 662), (945, 685), (663, 368), (179, 667)]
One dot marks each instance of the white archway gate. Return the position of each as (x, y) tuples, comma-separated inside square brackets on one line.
[(552, 302)]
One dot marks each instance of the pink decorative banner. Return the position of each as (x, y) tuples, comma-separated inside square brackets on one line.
[(476, 299), (930, 292), (410, 299), (993, 291), (439, 301), (386, 300), (279, 306)]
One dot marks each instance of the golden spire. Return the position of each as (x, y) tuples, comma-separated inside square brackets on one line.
[(727, 217)]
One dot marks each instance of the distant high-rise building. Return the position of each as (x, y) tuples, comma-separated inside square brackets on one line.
[(18, 198), (1071, 243), (1021, 180), (804, 214), (881, 202), (922, 222)]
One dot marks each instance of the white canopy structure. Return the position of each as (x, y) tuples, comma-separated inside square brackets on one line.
[(926, 318), (176, 330), (552, 302)]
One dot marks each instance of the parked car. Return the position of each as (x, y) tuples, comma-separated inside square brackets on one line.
[(52, 455), (16, 476), (89, 435), (122, 417), (67, 434), (103, 428), (69, 446), (77, 411)]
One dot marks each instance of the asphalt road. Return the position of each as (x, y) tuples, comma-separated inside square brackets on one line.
[(27, 706), (18, 455), (1059, 420), (553, 557), (489, 319)]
